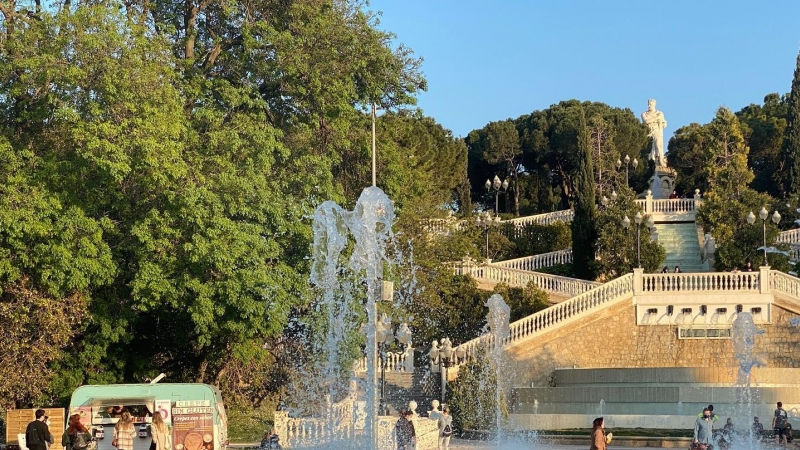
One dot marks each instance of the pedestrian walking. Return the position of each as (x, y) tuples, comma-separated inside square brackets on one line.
[(598, 434), (37, 434), (779, 421), (703, 429)]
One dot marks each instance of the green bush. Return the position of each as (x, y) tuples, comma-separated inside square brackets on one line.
[(473, 396), (247, 424)]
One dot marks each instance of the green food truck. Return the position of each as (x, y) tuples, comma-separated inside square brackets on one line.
[(194, 413)]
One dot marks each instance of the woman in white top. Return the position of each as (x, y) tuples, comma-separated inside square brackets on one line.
[(160, 432)]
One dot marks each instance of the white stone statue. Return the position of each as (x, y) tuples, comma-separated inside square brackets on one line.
[(435, 413), (654, 119)]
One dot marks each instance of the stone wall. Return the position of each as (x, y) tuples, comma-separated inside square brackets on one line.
[(611, 338)]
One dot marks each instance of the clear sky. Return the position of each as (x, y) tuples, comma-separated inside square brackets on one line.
[(494, 59)]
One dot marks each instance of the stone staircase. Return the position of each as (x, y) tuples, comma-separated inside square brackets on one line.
[(682, 245), (422, 386)]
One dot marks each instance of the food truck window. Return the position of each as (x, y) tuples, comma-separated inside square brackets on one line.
[(141, 413)]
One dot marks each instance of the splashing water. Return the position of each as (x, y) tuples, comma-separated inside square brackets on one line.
[(342, 291), (743, 334)]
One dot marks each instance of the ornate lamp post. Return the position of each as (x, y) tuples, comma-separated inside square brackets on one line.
[(763, 214), (626, 223), (495, 185), (445, 356), (385, 338), (627, 163), (605, 201), (486, 222)]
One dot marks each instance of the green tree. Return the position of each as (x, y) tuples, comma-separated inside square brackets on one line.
[(584, 233), (473, 395), (616, 245), (502, 147), (766, 127), (790, 149)]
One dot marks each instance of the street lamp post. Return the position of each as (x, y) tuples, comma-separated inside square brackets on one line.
[(626, 223), (605, 201), (763, 214), (495, 185), (627, 163), (486, 221), (385, 337), (445, 356)]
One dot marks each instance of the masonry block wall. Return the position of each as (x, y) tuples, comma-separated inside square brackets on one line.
[(611, 339)]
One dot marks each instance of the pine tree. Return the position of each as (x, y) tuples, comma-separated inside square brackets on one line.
[(584, 232), (790, 152)]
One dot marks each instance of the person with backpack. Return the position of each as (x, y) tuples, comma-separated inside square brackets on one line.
[(404, 431), (445, 429), (779, 421), (37, 434), (77, 436)]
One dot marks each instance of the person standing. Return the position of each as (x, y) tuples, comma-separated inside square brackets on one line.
[(37, 434), (445, 429), (124, 432), (404, 431), (758, 429), (77, 436), (779, 420), (598, 434), (703, 429), (159, 431)]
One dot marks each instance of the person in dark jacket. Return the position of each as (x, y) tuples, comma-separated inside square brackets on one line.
[(37, 435), (404, 429)]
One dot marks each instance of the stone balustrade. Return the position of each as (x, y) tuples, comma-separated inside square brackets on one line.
[(560, 314), (313, 432), (537, 262), (785, 284), (699, 282), (395, 362), (309, 432), (671, 206), (427, 431), (789, 237), (553, 284), (565, 215)]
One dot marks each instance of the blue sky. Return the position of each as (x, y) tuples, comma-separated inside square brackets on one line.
[(491, 60)]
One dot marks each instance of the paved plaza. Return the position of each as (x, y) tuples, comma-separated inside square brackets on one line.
[(462, 444)]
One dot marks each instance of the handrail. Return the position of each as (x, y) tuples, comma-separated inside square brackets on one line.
[(554, 284), (539, 261), (789, 236), (559, 314), (700, 282), (785, 284)]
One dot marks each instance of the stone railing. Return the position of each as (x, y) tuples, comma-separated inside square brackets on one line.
[(537, 262), (519, 223), (560, 314), (427, 431), (395, 362), (313, 432), (785, 284), (699, 282), (789, 237), (671, 206), (304, 432), (552, 284)]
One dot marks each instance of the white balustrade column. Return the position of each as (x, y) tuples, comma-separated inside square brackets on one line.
[(648, 202), (763, 280), (638, 281)]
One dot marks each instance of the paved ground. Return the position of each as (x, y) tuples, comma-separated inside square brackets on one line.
[(459, 444)]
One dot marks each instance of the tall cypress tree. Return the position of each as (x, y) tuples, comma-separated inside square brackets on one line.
[(790, 152), (584, 232)]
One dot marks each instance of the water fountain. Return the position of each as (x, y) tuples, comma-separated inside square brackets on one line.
[(342, 288)]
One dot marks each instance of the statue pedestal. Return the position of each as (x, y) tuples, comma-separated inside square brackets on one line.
[(663, 182)]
